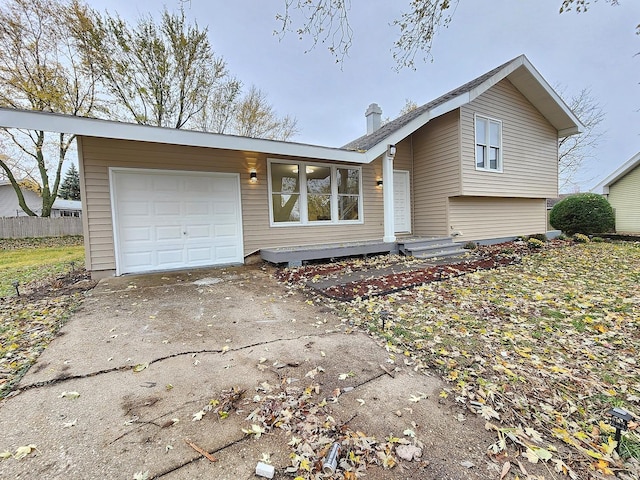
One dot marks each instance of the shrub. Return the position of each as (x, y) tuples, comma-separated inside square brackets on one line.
[(470, 246), (597, 239), (535, 243), (562, 236), (580, 238), (583, 213), (539, 236)]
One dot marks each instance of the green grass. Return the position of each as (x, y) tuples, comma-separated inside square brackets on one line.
[(29, 260)]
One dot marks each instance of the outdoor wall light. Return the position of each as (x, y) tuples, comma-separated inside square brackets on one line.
[(620, 421), (379, 183), (391, 150), (253, 176)]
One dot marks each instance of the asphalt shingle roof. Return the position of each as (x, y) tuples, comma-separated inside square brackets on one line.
[(366, 142)]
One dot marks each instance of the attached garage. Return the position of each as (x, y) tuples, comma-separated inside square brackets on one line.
[(173, 219)]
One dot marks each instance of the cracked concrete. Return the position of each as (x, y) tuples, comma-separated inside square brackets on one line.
[(193, 335)]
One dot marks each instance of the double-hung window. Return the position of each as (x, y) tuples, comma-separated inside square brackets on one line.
[(305, 194), (488, 144)]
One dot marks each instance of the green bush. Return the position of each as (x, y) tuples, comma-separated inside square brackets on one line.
[(562, 236), (597, 239), (580, 238), (585, 213), (470, 246), (535, 242), (539, 236)]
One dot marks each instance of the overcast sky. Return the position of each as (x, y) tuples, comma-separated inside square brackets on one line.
[(592, 50)]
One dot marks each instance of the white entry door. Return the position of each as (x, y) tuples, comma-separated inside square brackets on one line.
[(401, 201), (168, 220)]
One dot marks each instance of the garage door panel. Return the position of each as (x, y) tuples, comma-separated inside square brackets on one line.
[(199, 232), (168, 220), (136, 234), (197, 208), (166, 183), (197, 255), (140, 260), (166, 208)]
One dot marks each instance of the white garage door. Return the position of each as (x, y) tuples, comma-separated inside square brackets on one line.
[(167, 220)]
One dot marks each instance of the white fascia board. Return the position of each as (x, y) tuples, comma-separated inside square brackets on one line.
[(402, 133), (91, 127), (620, 172)]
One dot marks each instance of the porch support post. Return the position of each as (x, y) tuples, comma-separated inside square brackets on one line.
[(387, 191)]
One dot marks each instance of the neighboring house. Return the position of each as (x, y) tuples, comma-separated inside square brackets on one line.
[(622, 189), (9, 206), (478, 162)]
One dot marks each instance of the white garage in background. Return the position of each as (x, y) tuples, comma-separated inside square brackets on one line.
[(173, 219)]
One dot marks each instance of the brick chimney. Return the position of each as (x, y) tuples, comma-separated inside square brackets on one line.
[(374, 118)]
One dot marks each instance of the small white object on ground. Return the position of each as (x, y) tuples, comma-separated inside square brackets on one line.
[(408, 452), (264, 470)]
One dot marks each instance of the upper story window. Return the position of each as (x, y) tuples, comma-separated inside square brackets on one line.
[(488, 144), (304, 193)]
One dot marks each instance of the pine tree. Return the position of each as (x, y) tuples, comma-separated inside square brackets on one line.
[(70, 188)]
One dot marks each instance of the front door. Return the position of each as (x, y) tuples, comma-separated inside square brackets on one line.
[(401, 201)]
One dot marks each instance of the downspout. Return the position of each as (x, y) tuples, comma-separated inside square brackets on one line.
[(387, 190)]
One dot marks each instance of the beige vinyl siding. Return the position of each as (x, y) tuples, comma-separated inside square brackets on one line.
[(529, 147), (479, 218), (624, 196), (100, 154), (436, 173)]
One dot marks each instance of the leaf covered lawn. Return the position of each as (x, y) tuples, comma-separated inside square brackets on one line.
[(542, 350), (45, 268)]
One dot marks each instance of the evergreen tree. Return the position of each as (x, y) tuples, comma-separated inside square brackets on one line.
[(70, 188)]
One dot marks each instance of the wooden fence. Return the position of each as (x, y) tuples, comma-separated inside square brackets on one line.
[(27, 227)]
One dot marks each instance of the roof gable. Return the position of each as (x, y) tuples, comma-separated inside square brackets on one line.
[(363, 150), (624, 169), (520, 73)]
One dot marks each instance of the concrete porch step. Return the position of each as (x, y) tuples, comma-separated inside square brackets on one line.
[(427, 248)]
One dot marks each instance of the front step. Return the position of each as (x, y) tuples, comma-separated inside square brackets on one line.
[(426, 248)]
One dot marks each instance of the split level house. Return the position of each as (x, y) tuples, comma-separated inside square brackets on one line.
[(622, 189), (478, 163)]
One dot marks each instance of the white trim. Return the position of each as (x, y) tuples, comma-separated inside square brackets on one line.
[(387, 195), (302, 179), (406, 174), (620, 172), (487, 168), (92, 127), (114, 214)]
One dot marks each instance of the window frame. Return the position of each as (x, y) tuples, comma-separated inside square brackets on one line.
[(303, 199), (487, 145)]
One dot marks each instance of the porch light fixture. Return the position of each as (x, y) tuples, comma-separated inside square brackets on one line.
[(620, 421), (391, 150), (253, 176), (379, 183)]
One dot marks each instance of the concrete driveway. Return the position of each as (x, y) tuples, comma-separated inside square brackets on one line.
[(148, 354)]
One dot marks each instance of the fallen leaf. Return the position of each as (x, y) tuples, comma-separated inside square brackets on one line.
[(505, 469), (198, 416), (140, 367), (70, 395), (23, 451)]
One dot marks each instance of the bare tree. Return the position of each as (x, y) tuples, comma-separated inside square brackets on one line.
[(574, 150), (159, 74), (254, 116), (327, 22), (40, 71)]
